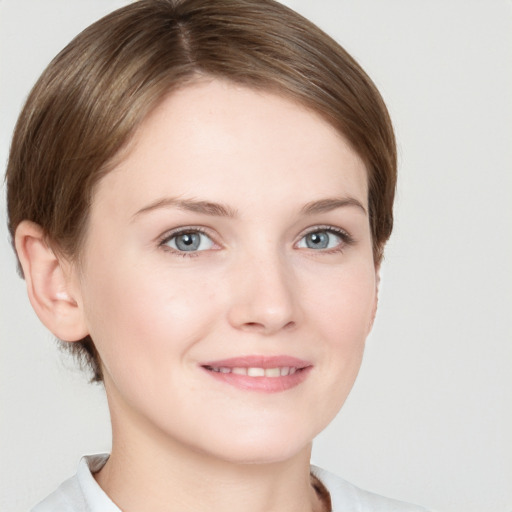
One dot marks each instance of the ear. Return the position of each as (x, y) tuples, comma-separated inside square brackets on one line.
[(49, 281), (376, 299)]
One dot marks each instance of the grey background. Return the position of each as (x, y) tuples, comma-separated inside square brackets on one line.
[(429, 419)]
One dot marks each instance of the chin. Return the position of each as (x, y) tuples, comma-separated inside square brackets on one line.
[(263, 445)]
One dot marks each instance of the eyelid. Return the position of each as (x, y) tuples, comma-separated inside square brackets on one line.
[(326, 227)]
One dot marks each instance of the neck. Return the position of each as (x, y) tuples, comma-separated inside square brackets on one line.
[(149, 471)]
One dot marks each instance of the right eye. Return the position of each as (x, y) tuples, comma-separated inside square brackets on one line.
[(189, 241)]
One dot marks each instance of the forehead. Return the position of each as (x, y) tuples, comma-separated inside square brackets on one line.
[(217, 139)]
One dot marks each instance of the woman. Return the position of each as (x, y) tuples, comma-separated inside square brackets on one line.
[(199, 195)]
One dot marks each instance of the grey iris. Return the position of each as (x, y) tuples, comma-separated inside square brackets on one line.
[(188, 241), (317, 240)]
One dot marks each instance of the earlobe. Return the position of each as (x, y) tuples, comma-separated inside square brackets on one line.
[(49, 287)]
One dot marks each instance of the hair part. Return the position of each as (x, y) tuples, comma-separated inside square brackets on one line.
[(90, 100)]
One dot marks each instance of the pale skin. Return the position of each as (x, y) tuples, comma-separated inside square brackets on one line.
[(276, 200)]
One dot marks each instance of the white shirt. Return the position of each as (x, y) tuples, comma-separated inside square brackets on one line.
[(81, 493)]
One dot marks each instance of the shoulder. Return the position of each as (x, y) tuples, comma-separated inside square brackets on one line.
[(349, 498), (79, 493)]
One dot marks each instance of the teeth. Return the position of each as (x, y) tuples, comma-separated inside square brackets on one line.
[(257, 372)]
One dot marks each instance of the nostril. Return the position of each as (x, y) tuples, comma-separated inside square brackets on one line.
[(289, 325), (253, 325), (260, 327)]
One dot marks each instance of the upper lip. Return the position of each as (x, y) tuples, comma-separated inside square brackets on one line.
[(258, 361)]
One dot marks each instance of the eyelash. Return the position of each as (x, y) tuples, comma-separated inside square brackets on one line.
[(346, 239)]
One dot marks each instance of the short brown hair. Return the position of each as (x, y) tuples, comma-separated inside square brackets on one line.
[(94, 94)]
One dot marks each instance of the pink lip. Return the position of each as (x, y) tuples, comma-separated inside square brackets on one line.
[(261, 384), (258, 362)]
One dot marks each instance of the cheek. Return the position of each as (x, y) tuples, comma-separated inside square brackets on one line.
[(139, 317), (344, 313), (345, 304)]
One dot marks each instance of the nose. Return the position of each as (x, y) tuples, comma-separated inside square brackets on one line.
[(263, 296)]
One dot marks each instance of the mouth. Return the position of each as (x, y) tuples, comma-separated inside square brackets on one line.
[(260, 373), (255, 371)]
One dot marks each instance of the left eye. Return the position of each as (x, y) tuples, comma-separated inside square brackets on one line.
[(321, 239), (189, 242)]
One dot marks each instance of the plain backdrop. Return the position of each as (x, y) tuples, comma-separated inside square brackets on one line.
[(429, 419)]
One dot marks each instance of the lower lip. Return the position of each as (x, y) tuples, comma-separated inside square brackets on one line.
[(262, 384)]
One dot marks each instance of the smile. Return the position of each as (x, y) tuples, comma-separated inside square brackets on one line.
[(259, 373), (256, 372)]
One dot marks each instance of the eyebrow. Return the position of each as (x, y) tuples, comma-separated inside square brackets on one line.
[(220, 210), (327, 205), (191, 205)]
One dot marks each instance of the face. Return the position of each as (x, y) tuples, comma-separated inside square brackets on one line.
[(227, 276)]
